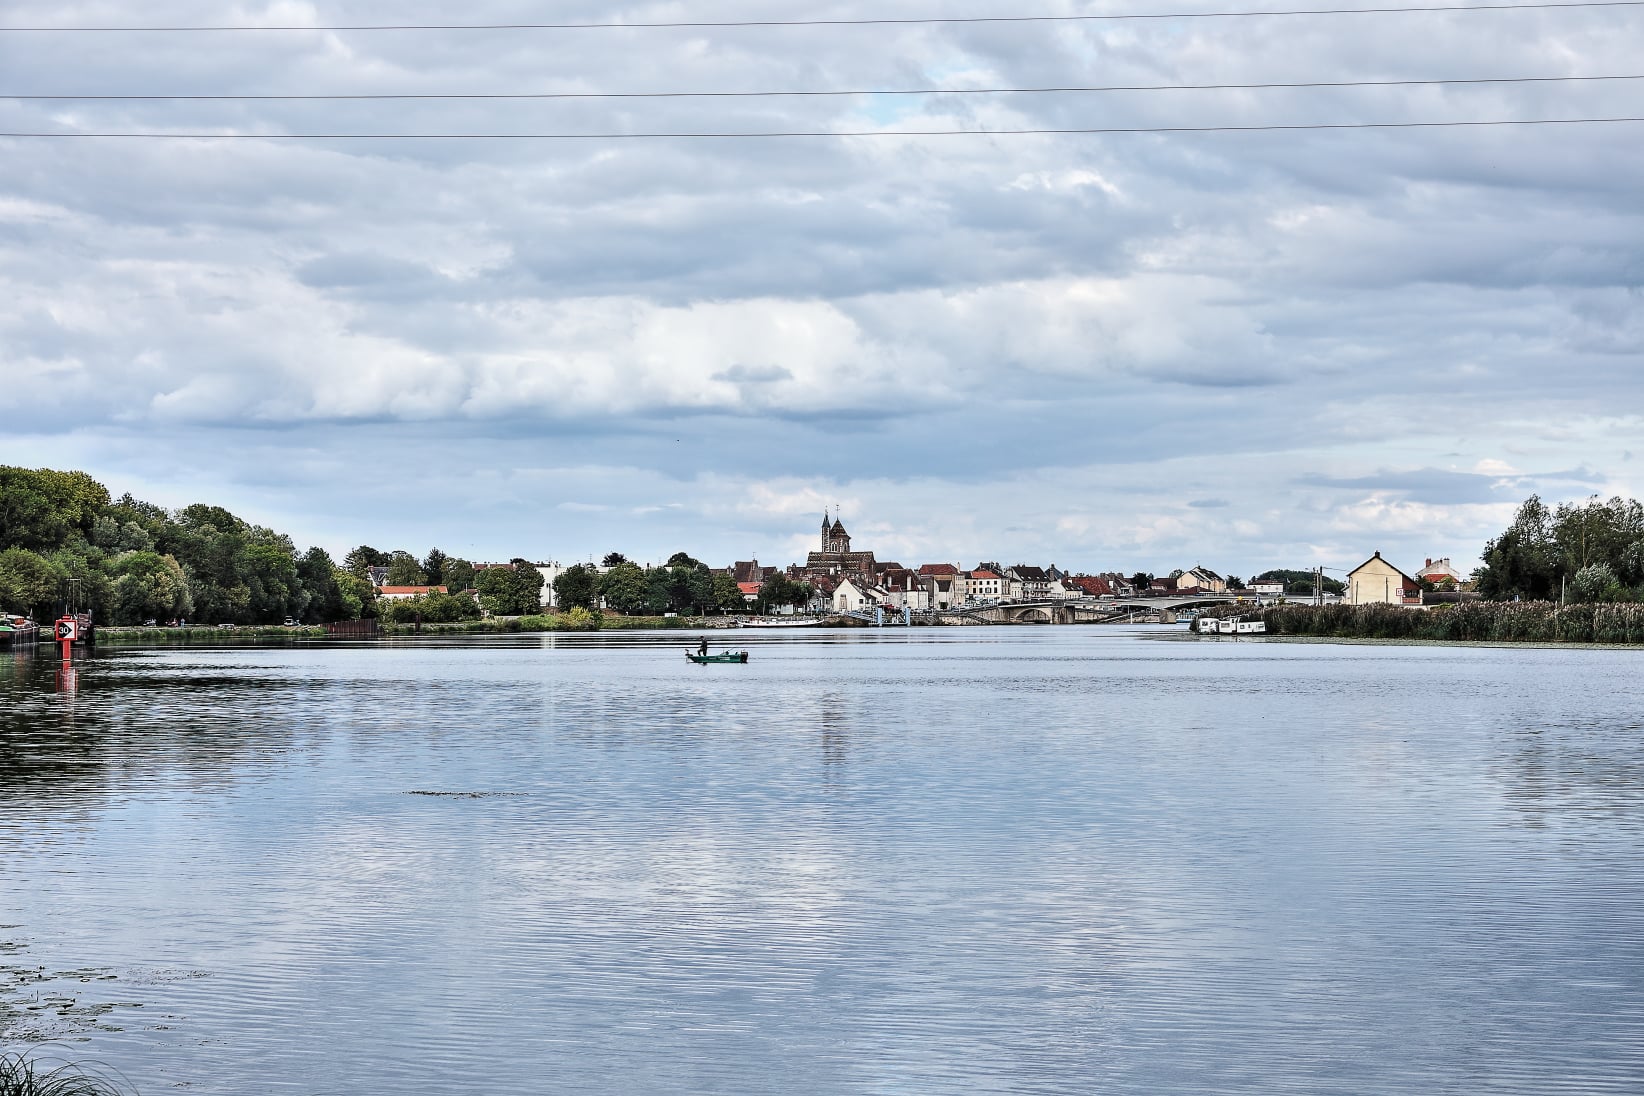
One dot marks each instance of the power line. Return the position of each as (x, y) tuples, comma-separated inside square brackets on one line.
[(918, 21), (396, 96), (1067, 131)]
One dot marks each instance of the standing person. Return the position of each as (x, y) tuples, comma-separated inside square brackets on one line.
[(702, 648)]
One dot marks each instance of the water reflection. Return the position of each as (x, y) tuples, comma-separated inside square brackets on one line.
[(1046, 860)]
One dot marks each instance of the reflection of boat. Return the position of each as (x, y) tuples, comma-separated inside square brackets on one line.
[(782, 622), (724, 656)]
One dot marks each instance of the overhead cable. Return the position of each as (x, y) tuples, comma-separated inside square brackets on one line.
[(683, 24), (1071, 130), (1072, 89)]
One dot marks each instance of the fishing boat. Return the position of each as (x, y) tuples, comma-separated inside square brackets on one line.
[(723, 656), (782, 622)]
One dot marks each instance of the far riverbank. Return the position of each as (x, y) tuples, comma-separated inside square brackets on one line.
[(1488, 622)]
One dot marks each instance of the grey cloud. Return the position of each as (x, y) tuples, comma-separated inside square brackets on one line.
[(996, 309)]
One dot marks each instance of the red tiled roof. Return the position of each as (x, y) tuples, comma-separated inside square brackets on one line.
[(938, 569)]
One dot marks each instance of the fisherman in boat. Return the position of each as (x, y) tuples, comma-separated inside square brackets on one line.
[(702, 648)]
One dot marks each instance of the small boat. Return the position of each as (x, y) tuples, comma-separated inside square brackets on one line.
[(781, 622), (723, 656)]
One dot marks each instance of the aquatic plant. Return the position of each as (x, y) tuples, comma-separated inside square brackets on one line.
[(22, 1076)]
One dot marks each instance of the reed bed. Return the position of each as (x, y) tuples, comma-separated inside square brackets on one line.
[(21, 1076), (1476, 621)]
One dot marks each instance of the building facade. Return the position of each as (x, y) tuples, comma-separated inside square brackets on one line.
[(1377, 582)]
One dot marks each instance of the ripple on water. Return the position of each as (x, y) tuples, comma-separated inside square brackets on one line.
[(1005, 860)]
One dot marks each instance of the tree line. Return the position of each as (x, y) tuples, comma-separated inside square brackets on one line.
[(65, 542), (683, 585), (1589, 551)]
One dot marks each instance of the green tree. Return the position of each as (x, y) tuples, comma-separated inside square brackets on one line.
[(1595, 582), (403, 570), (150, 586), (41, 509), (318, 575), (433, 567), (727, 595), (27, 583), (576, 587), (515, 590), (612, 559), (780, 590), (1523, 561), (682, 559), (362, 559), (625, 589), (356, 597), (458, 575)]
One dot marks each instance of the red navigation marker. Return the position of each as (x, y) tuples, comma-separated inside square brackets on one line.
[(68, 630)]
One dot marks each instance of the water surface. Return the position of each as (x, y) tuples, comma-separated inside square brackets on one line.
[(968, 860)]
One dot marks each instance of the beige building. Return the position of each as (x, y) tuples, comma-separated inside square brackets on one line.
[(1375, 581)]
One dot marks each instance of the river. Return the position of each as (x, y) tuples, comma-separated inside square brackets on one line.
[(1012, 860)]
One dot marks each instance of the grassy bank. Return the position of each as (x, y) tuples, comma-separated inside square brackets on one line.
[(1479, 621), (204, 633), (558, 622)]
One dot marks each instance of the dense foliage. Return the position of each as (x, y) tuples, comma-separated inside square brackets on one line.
[(1299, 582), (1590, 551), (682, 585), (64, 542), (1482, 621)]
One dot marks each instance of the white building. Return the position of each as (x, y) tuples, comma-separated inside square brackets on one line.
[(848, 597)]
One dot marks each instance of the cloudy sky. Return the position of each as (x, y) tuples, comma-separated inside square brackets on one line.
[(1109, 351)]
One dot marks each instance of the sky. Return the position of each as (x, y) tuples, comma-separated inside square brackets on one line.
[(1107, 351)]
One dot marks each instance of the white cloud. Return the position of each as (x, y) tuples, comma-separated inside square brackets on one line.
[(1038, 345)]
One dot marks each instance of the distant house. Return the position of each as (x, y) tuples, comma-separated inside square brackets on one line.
[(1035, 583), (1202, 580), (1266, 587), (1377, 582), (984, 585), (905, 589), (1438, 572), (750, 591), (945, 585), (376, 576), (853, 595), (406, 593), (1090, 586), (549, 572)]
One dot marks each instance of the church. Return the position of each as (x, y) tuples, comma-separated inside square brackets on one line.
[(836, 560)]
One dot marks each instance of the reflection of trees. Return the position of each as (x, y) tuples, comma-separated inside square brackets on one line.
[(120, 726), (1587, 770)]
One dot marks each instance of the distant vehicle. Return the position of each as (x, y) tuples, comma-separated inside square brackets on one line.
[(225, 625), (290, 623), (150, 624)]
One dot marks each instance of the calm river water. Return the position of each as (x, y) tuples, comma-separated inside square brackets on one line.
[(1058, 860)]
